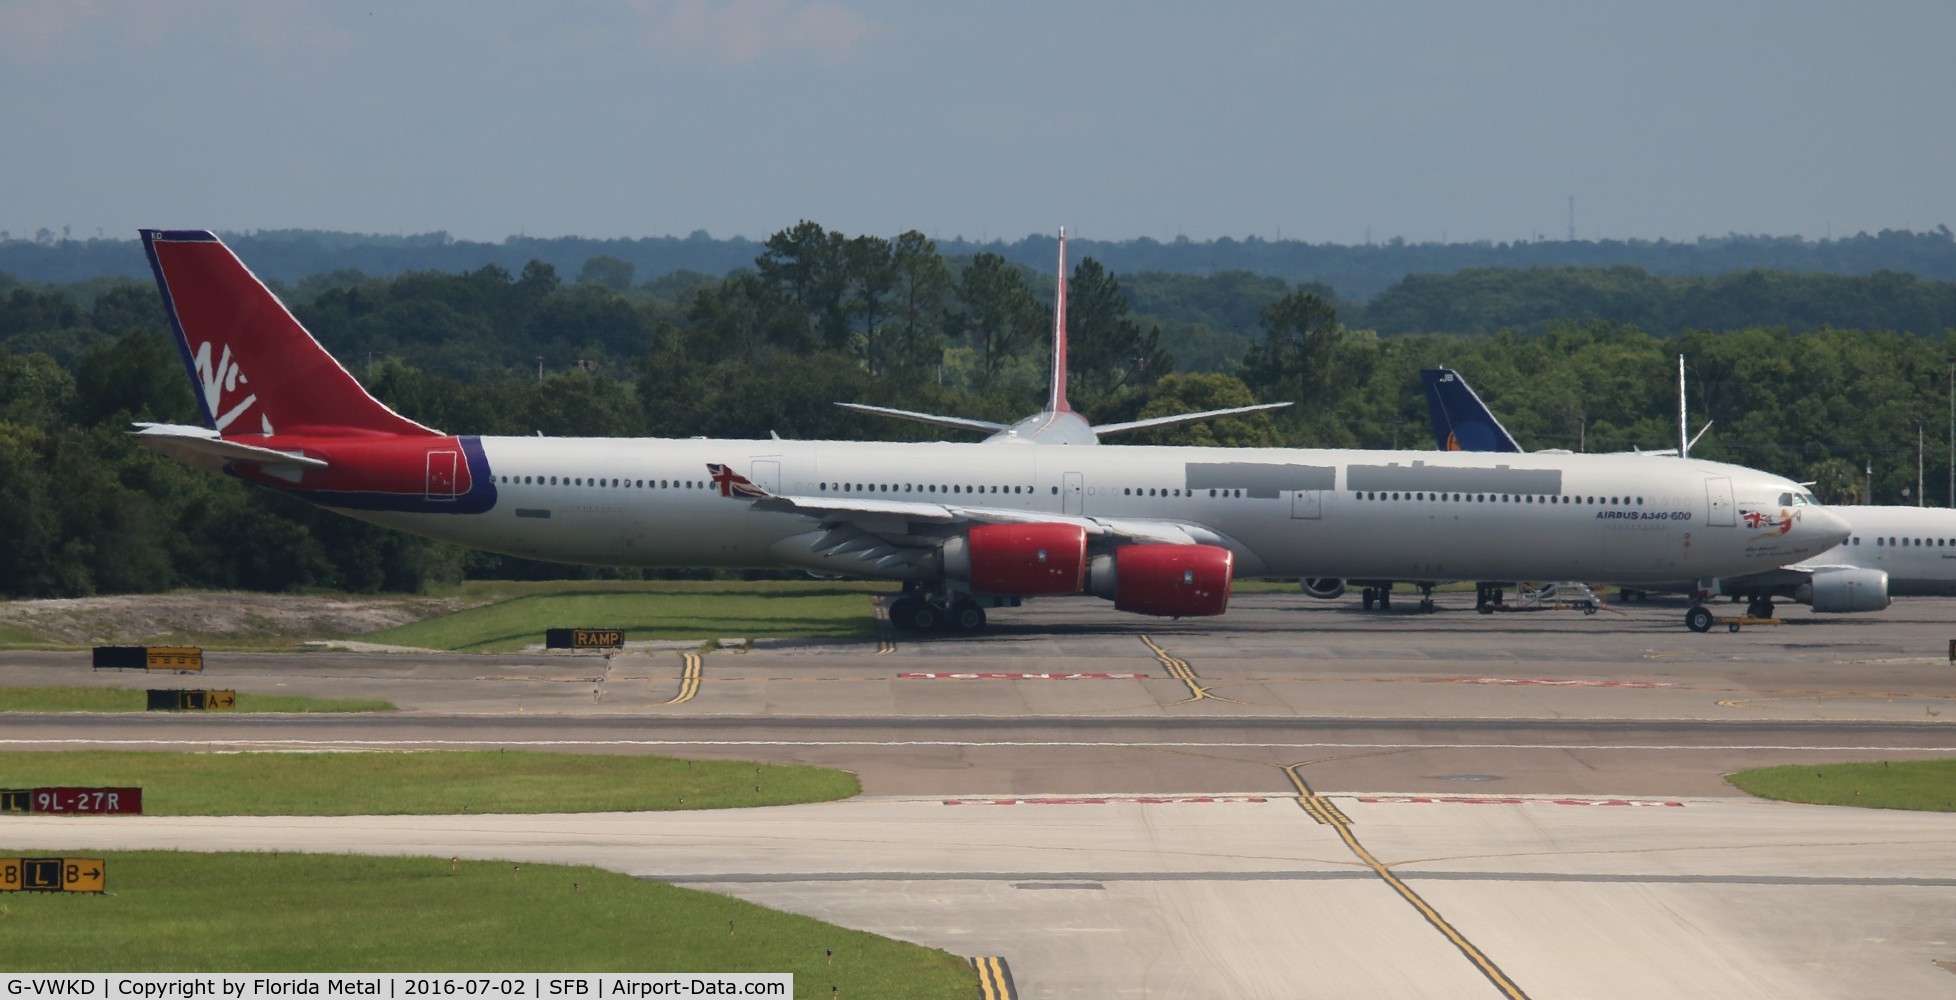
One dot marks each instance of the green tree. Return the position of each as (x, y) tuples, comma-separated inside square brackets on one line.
[(1107, 352), (872, 277), (1173, 394), (1300, 358), (919, 301), (998, 315), (606, 271)]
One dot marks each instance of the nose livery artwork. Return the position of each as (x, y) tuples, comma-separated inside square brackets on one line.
[(963, 528)]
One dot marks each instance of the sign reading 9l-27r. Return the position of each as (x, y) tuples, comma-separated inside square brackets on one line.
[(72, 800), (52, 875)]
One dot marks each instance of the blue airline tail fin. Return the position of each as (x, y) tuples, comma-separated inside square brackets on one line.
[(1461, 422)]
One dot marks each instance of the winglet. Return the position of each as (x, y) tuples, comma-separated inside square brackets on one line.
[(1056, 399), (733, 484)]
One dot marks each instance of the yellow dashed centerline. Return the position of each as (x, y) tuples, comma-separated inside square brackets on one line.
[(1179, 669), (994, 978), (1321, 809), (689, 682)]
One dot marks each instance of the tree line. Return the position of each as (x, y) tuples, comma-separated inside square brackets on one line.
[(1357, 271), (820, 317)]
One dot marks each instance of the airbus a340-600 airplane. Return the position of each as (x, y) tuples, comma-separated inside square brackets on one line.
[(1158, 530)]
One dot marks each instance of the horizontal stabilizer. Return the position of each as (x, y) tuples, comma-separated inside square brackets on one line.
[(1181, 418), (928, 418), (202, 448)]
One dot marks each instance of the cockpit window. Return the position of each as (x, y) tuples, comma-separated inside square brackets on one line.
[(1800, 499)]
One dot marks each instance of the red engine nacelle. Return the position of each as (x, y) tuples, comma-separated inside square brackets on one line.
[(1178, 581), (1027, 560)]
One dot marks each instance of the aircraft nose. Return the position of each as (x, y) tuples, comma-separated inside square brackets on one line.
[(1824, 527)]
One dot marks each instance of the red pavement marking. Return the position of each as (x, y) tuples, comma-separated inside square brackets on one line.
[(1103, 800), (1021, 677), (1502, 801), (1557, 683)]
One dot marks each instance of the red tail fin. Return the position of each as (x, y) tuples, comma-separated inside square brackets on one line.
[(253, 368), (1056, 397)]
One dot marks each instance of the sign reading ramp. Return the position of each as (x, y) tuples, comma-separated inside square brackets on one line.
[(179, 658), (584, 638)]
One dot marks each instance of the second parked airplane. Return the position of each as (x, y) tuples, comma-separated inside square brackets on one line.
[(1894, 551)]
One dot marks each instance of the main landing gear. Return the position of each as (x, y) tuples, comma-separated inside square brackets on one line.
[(1487, 598), (1380, 596), (914, 612)]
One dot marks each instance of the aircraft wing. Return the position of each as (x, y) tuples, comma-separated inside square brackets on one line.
[(901, 528), (881, 517), (203, 448), (1182, 418), (962, 423)]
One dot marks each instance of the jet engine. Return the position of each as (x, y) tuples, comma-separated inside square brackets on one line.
[(1177, 581), (1324, 588), (1846, 589), (1022, 560)]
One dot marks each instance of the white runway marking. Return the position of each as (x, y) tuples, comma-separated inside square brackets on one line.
[(1060, 744)]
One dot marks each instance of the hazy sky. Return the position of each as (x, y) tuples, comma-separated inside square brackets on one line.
[(1312, 121)]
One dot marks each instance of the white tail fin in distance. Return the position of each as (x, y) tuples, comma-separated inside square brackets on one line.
[(1056, 397)]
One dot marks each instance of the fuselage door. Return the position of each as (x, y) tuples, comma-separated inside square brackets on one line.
[(441, 475), (1072, 490), (1307, 504), (1718, 500), (766, 473)]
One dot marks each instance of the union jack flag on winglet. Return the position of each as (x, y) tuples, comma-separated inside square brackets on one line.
[(733, 484)]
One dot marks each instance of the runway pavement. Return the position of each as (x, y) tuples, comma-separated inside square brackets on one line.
[(1299, 799)]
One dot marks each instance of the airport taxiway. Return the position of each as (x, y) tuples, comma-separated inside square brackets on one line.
[(1299, 799)]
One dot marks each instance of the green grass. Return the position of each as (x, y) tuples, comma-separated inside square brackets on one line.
[(177, 912), (431, 782), (96, 699), (1928, 785), (13, 636), (700, 611)]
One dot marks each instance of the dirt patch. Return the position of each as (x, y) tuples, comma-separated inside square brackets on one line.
[(138, 618)]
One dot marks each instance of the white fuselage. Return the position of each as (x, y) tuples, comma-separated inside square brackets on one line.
[(1915, 546), (1283, 512)]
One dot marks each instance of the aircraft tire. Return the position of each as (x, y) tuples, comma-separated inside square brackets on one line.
[(903, 611), (925, 617), (1369, 597), (966, 617), (1698, 619)]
